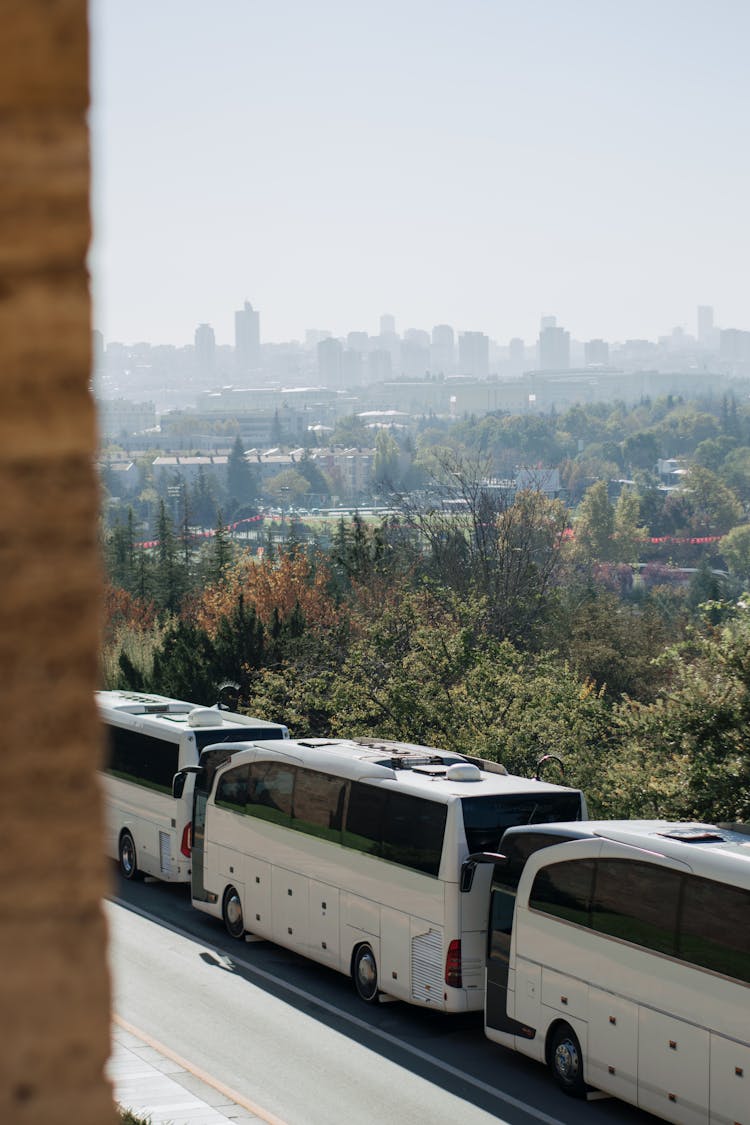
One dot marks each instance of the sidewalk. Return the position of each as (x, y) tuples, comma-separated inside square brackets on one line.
[(152, 1082)]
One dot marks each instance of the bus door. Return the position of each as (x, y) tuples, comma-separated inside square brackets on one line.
[(210, 760), (502, 905), (516, 847)]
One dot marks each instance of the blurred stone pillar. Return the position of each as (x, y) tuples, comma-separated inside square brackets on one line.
[(54, 988)]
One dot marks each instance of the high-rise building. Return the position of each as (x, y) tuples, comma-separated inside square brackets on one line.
[(387, 325), (705, 321), (516, 356), (330, 355), (474, 354), (247, 340), (554, 346), (205, 349), (443, 350), (596, 353)]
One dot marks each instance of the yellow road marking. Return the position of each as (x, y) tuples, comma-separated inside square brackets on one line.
[(227, 1091)]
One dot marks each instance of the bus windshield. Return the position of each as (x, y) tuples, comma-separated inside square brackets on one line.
[(486, 818)]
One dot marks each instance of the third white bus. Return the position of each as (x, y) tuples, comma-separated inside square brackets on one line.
[(352, 853), (148, 740), (619, 954)]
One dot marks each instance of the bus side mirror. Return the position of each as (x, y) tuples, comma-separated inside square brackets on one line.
[(179, 779), (469, 866), (178, 784)]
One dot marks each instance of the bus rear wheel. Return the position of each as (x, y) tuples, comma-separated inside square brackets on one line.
[(231, 912), (566, 1061), (365, 974), (127, 857)]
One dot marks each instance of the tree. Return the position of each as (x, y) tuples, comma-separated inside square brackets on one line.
[(595, 524), (735, 548), (220, 552), (385, 469), (628, 533), (288, 487), (241, 480), (483, 541), (170, 577)]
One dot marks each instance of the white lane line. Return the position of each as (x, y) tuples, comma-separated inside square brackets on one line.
[(454, 1071), (227, 1091)]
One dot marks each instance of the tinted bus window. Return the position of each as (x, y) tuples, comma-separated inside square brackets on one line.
[(636, 902), (517, 850), (715, 927), (413, 831), (364, 818), (269, 792), (319, 804), (564, 890), (486, 818), (138, 757), (231, 792)]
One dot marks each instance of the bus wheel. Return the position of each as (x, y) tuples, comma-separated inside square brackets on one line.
[(566, 1061), (231, 912), (365, 974), (127, 857)]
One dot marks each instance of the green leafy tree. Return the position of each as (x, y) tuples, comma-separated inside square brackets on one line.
[(735, 548), (386, 469), (628, 533), (595, 525)]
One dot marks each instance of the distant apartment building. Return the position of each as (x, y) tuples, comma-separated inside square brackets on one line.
[(330, 354), (596, 353), (474, 355), (734, 346), (186, 470), (443, 350), (119, 418), (554, 346)]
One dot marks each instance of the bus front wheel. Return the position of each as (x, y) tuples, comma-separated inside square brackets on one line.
[(365, 974), (127, 857), (231, 912), (566, 1061)]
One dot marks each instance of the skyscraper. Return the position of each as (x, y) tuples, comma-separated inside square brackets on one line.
[(387, 325), (247, 340), (705, 324), (330, 361), (205, 349), (554, 346), (474, 354), (443, 350)]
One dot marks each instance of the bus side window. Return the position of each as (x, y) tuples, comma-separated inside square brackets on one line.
[(269, 792), (715, 927), (231, 792), (318, 804), (564, 890), (636, 902)]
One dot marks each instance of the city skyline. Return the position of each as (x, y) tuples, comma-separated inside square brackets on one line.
[(479, 166)]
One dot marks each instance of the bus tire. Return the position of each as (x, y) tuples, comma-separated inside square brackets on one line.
[(365, 974), (231, 912), (127, 857), (565, 1059)]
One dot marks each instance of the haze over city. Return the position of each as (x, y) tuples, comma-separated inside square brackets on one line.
[(481, 165)]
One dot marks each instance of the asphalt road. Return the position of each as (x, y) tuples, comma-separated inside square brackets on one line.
[(294, 1038)]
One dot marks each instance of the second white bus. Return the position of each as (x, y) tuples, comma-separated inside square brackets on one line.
[(352, 854), (619, 954)]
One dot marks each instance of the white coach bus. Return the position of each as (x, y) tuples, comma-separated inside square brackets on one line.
[(351, 853), (619, 954), (149, 739)]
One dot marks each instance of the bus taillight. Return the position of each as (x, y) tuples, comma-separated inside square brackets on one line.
[(187, 841), (453, 964)]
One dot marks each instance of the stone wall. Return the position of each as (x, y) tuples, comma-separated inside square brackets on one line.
[(54, 989)]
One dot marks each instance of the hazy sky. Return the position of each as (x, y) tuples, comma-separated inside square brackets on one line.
[(474, 162)]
